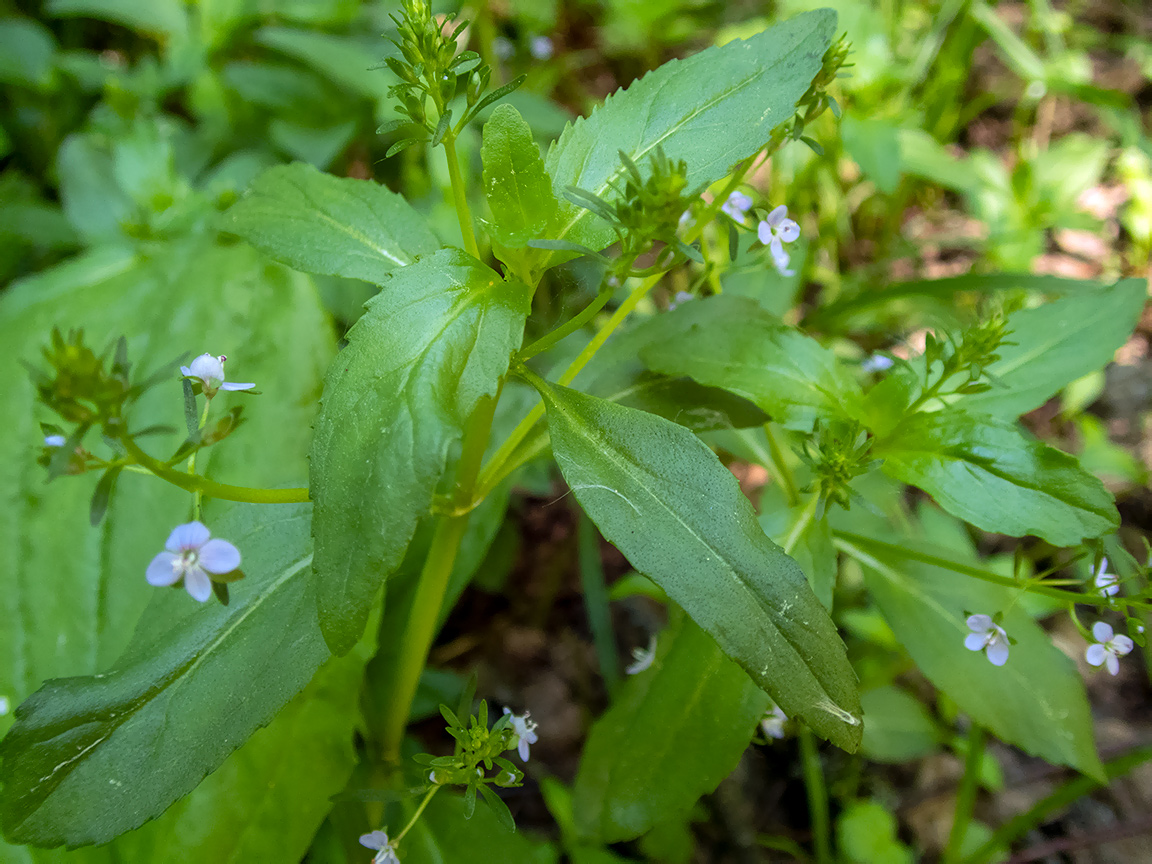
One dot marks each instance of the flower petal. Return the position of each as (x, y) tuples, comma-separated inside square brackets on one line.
[(975, 641), (522, 749), (219, 556), (1121, 645), (979, 623), (163, 570), (1095, 655), (1112, 663), (233, 386), (198, 584), (777, 216), (789, 230), (375, 840), (187, 537), (184, 370), (1102, 632), (997, 653), (206, 368), (764, 232)]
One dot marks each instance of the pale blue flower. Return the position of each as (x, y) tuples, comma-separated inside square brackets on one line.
[(55, 440), (541, 47), (989, 637), (208, 369), (379, 840), (525, 730), (1107, 583), (737, 206), (503, 48), (772, 723), (877, 363), (1109, 647), (774, 232), (642, 658), (681, 297), (192, 555)]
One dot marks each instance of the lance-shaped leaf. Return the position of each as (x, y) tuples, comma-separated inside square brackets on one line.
[(1057, 343), (672, 734), (787, 374), (92, 757), (663, 498), (987, 472), (431, 344), (336, 226), (516, 184), (711, 110)]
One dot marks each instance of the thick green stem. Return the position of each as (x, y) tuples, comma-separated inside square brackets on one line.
[(817, 796), (460, 197), (196, 483), (420, 629), (965, 796)]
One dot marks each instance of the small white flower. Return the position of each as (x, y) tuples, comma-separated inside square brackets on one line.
[(686, 219), (541, 47), (191, 556), (989, 637), (877, 363), (774, 232), (379, 840), (681, 297), (642, 658), (1109, 648), (208, 369), (5, 705), (525, 730), (503, 48), (772, 724), (55, 440), (1107, 583), (737, 206)]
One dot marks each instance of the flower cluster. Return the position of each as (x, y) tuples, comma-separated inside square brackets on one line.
[(1106, 650)]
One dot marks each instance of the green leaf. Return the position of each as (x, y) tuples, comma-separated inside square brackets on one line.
[(866, 834), (663, 498), (785, 373), (348, 62), (267, 800), (812, 549), (26, 51), (711, 110), (1057, 343), (331, 225), (81, 762), (671, 735), (897, 728), (516, 184), (442, 834), (874, 144), (94, 203), (988, 473), (1035, 701), (431, 345), (155, 17)]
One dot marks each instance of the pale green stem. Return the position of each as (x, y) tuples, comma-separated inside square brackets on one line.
[(571, 326), (780, 466), (817, 796), (416, 815), (801, 524), (223, 491), (460, 197), (196, 493), (965, 796)]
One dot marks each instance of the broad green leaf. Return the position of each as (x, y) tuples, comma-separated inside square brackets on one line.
[(92, 200), (431, 345), (897, 727), (442, 834), (812, 547), (733, 343), (26, 49), (1057, 343), (662, 497), (331, 225), (711, 110), (267, 800), (874, 144), (1035, 701), (672, 734), (516, 184), (987, 472), (866, 834), (81, 762)]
